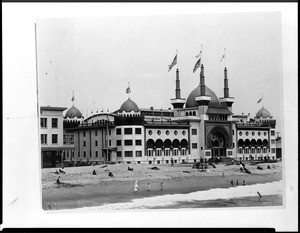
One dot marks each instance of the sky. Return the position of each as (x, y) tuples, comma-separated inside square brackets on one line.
[(97, 58)]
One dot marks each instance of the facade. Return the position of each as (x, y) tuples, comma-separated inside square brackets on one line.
[(201, 126)]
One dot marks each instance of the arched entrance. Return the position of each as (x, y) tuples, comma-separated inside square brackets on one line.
[(218, 141)]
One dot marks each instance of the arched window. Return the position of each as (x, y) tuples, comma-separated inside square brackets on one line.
[(184, 143), (190, 113), (186, 113), (167, 143), (150, 143), (240, 143), (159, 143), (194, 113), (176, 143)]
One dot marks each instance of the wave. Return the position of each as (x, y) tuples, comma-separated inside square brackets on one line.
[(272, 188)]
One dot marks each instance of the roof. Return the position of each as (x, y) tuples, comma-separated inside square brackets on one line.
[(264, 113), (129, 106), (73, 112), (191, 102), (49, 108), (218, 109)]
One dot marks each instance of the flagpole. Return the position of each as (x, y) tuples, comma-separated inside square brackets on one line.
[(225, 56), (177, 58), (262, 98)]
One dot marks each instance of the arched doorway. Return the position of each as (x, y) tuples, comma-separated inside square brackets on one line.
[(218, 141)]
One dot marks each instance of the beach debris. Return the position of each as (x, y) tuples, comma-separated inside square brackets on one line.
[(247, 170), (259, 194), (268, 167), (161, 185), (148, 187), (136, 186), (231, 183), (130, 169), (196, 165), (212, 165), (154, 168), (61, 171), (259, 167), (186, 171), (110, 174), (56, 172), (94, 172), (103, 166)]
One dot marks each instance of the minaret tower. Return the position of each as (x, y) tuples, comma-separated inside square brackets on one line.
[(226, 100), (202, 100), (178, 102)]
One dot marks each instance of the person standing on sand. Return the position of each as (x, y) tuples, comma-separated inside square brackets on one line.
[(148, 187), (223, 174), (136, 186), (231, 183), (161, 185), (244, 182), (259, 195), (237, 183)]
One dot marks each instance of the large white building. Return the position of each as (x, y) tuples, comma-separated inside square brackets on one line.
[(201, 126)]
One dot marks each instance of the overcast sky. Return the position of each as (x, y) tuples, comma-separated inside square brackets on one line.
[(97, 57)]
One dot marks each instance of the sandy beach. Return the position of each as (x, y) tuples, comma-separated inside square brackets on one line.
[(80, 188)]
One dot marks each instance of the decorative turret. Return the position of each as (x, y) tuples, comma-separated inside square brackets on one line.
[(202, 99), (178, 102)]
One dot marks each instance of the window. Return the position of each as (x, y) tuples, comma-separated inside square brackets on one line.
[(128, 142), (44, 138), (109, 143), (246, 150), (259, 133), (247, 133), (167, 132), (240, 133), (265, 133), (54, 122), (194, 145), (84, 144), (182, 152), (96, 143), (128, 130), (272, 133), (233, 145), (273, 150), (232, 132), (150, 152), (65, 139), (119, 142), (194, 131), (150, 132), (72, 139), (109, 131), (128, 154), (138, 131), (83, 133), (158, 152), (96, 153), (90, 153), (43, 122), (96, 132), (54, 138), (253, 133), (159, 132), (252, 150), (273, 141), (229, 153), (119, 153), (138, 142), (175, 152), (84, 154), (207, 153), (175, 132), (183, 133), (119, 132), (138, 153), (240, 150), (167, 152)]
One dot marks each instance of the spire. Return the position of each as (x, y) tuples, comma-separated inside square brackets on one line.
[(226, 89), (202, 81), (177, 90)]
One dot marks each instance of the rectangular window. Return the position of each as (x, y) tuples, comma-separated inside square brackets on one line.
[(65, 139), (138, 142), (150, 152), (128, 154), (109, 132), (83, 133), (128, 142), (96, 153), (90, 153), (232, 132), (167, 152), (119, 131), (84, 144), (109, 143), (96, 143), (44, 138), (84, 154), (138, 131), (43, 122), (272, 133), (72, 139), (54, 138), (96, 132), (207, 153), (194, 145), (119, 142), (175, 152), (119, 153), (229, 153), (128, 131), (272, 150), (194, 131), (273, 141), (233, 145), (54, 122), (158, 152), (138, 153), (240, 150)]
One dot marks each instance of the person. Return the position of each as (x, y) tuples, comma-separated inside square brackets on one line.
[(259, 195), (94, 172), (244, 182), (161, 185), (231, 183), (136, 186), (148, 187), (58, 180), (110, 174), (172, 162), (237, 183), (223, 174)]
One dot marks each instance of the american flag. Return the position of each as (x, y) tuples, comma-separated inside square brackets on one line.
[(174, 62), (197, 65)]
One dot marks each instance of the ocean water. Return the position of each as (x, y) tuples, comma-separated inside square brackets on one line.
[(239, 196)]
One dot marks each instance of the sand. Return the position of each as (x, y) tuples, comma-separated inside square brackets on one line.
[(80, 188)]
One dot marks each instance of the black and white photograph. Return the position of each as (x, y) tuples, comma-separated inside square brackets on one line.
[(141, 113)]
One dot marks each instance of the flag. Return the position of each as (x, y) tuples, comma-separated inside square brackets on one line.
[(259, 100), (197, 65), (222, 57), (128, 90), (199, 54), (174, 62), (73, 98)]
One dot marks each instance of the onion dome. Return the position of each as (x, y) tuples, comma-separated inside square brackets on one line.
[(73, 112), (264, 113), (191, 102), (129, 106)]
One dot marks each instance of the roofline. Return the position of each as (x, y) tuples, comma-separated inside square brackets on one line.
[(49, 108)]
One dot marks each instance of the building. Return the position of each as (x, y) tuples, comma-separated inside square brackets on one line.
[(201, 126)]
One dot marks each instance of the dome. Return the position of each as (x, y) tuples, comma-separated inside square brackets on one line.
[(264, 113), (73, 112), (191, 102), (129, 106)]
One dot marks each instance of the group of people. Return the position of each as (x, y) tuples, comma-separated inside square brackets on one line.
[(136, 186), (237, 183)]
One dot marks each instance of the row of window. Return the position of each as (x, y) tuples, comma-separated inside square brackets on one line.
[(129, 142), (150, 132), (68, 139), (96, 143), (159, 152), (253, 133), (138, 153), (96, 133), (44, 138), (128, 131), (254, 150), (54, 122)]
